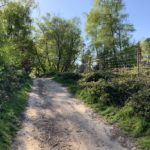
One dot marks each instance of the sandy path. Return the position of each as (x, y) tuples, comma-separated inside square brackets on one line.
[(56, 121)]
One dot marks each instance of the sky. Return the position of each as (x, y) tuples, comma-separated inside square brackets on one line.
[(138, 10)]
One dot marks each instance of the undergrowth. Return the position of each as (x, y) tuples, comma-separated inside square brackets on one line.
[(123, 99), (10, 115)]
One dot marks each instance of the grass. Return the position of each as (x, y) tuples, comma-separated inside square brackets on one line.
[(10, 116), (144, 142), (72, 85), (127, 120), (129, 123)]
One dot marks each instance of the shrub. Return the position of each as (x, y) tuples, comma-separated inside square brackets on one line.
[(10, 81), (52, 73), (69, 76), (121, 89), (98, 75), (145, 142), (141, 103), (88, 96), (115, 92)]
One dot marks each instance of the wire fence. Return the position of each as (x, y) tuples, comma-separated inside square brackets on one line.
[(123, 61)]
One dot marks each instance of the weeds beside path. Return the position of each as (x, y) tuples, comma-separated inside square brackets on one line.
[(57, 121), (122, 99), (10, 115)]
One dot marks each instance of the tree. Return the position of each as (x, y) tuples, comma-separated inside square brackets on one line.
[(145, 48), (17, 35), (16, 47), (86, 61), (58, 44), (108, 29), (72, 46)]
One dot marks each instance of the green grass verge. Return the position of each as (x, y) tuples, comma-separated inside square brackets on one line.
[(129, 122), (145, 142), (10, 116)]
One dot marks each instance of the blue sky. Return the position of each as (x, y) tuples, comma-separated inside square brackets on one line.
[(138, 10)]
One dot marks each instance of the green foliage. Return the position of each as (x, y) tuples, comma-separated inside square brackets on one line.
[(109, 31), (145, 142), (130, 122), (141, 102), (89, 96), (121, 98), (109, 90), (17, 47), (16, 61), (70, 76), (10, 114), (145, 50), (69, 79), (58, 45), (86, 60), (10, 81), (95, 76), (18, 21)]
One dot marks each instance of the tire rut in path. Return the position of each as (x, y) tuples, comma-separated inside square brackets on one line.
[(56, 121)]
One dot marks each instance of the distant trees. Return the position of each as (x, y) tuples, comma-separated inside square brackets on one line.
[(56, 44), (86, 61), (59, 43), (145, 50), (109, 31)]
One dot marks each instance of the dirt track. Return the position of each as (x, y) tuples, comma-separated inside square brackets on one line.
[(54, 120)]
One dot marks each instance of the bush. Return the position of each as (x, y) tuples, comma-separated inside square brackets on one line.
[(10, 115), (10, 81), (115, 92), (69, 76), (98, 75), (52, 73), (145, 142), (121, 89), (118, 98), (141, 103), (88, 95)]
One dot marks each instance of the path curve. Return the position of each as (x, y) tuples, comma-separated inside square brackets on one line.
[(54, 120)]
